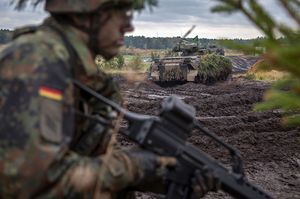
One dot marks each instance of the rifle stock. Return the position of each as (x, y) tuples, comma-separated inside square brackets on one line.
[(167, 135)]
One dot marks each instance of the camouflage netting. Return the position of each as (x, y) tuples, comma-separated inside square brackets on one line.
[(213, 68), (173, 73)]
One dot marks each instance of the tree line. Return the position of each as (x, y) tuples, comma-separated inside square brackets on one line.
[(170, 42), (146, 42)]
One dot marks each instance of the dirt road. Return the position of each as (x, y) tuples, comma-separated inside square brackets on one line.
[(271, 153)]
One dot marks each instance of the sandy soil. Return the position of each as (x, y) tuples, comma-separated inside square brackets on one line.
[(271, 152)]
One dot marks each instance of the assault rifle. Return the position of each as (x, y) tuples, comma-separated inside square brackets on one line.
[(167, 135)]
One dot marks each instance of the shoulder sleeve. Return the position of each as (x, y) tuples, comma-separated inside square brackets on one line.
[(35, 82), (35, 99), (33, 87)]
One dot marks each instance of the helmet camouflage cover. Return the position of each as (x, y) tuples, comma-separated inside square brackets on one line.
[(85, 6)]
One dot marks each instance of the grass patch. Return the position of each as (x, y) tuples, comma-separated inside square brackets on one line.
[(257, 72), (268, 76), (123, 63)]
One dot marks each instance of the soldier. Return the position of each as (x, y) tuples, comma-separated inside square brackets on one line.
[(49, 145)]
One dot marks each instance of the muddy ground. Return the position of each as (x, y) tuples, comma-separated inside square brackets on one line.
[(271, 152)]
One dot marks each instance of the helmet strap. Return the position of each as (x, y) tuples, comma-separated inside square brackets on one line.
[(94, 31)]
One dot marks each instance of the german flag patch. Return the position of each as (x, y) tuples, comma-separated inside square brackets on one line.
[(50, 93)]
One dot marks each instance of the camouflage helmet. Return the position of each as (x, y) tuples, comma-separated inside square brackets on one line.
[(83, 6), (88, 6)]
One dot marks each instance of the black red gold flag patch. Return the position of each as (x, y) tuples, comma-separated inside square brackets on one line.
[(50, 93)]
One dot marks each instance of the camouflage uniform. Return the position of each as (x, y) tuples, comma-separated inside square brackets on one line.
[(43, 141)]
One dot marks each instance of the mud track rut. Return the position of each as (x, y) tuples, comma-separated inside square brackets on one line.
[(271, 153)]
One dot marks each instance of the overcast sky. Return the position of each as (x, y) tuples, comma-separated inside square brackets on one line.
[(171, 18)]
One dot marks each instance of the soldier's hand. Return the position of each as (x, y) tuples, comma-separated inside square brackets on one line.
[(150, 165), (203, 182), (131, 168)]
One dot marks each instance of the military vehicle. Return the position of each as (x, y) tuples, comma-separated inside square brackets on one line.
[(184, 66)]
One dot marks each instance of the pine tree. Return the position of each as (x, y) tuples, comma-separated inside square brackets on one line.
[(280, 53)]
